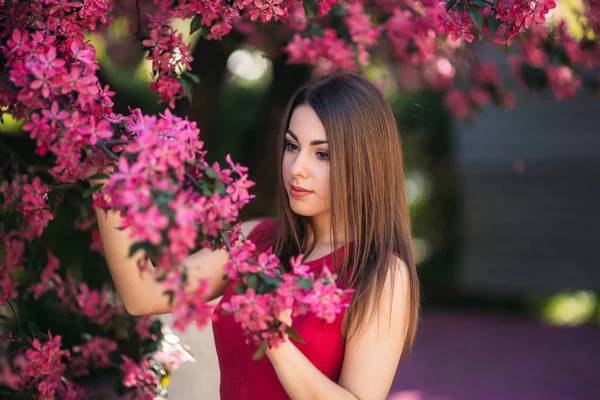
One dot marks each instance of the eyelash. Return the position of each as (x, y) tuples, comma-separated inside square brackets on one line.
[(287, 148)]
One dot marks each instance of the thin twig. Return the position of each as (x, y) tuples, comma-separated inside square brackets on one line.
[(225, 240), (16, 318), (139, 16), (194, 181), (113, 142), (108, 152)]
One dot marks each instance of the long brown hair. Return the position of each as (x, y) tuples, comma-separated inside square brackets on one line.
[(366, 191)]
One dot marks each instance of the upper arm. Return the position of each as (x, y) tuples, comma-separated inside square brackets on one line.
[(372, 354), (207, 264)]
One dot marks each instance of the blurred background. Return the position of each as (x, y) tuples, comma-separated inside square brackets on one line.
[(504, 212)]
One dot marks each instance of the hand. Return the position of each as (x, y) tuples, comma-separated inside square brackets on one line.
[(286, 317)]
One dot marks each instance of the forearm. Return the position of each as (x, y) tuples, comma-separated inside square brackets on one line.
[(137, 290), (301, 379)]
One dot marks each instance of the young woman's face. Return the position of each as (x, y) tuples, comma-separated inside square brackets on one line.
[(306, 163)]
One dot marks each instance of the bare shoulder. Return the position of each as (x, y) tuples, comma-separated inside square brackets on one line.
[(398, 273), (247, 226)]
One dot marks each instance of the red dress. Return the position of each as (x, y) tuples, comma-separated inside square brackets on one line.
[(245, 379)]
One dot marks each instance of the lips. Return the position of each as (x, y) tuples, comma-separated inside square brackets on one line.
[(298, 192), (299, 189)]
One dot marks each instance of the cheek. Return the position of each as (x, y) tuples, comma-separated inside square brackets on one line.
[(285, 169), (324, 180)]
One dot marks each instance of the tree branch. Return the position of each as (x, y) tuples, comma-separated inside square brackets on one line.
[(139, 16), (103, 146), (16, 318)]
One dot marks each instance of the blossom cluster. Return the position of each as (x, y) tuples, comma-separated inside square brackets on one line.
[(169, 197), (345, 35), (38, 369), (486, 87), (264, 291), (556, 58)]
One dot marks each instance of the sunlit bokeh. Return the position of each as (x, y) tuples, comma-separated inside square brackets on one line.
[(422, 249), (570, 11), (10, 124), (418, 187), (249, 67), (570, 308)]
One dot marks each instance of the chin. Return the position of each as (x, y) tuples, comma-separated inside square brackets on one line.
[(302, 211)]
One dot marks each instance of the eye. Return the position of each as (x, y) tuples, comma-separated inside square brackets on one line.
[(289, 146), (323, 155)]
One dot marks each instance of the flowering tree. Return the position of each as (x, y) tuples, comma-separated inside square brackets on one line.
[(172, 200)]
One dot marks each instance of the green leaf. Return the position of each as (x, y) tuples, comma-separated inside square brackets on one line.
[(19, 275), (310, 7), (260, 352), (293, 334), (493, 23), (211, 173), (196, 23), (305, 283), (239, 288), (156, 327), (163, 198), (450, 4), (193, 77), (148, 346), (99, 175), (138, 246), (187, 89), (266, 288), (220, 188), (268, 279), (253, 281), (477, 18), (480, 3), (91, 189)]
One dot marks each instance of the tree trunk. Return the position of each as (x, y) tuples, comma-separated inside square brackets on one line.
[(210, 65), (260, 152)]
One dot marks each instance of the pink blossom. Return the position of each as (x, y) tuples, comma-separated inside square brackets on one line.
[(140, 377), (563, 81), (190, 308), (42, 366), (457, 103), (94, 353)]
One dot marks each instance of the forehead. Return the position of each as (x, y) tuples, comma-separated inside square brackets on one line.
[(306, 124)]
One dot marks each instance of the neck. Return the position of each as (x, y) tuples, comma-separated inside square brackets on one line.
[(323, 233)]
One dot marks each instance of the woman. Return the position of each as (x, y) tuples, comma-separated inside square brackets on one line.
[(343, 205)]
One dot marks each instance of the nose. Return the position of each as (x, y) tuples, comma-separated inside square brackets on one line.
[(299, 167)]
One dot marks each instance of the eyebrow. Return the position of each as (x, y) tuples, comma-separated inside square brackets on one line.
[(313, 143)]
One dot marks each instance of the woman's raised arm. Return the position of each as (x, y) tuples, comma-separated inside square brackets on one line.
[(140, 292)]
